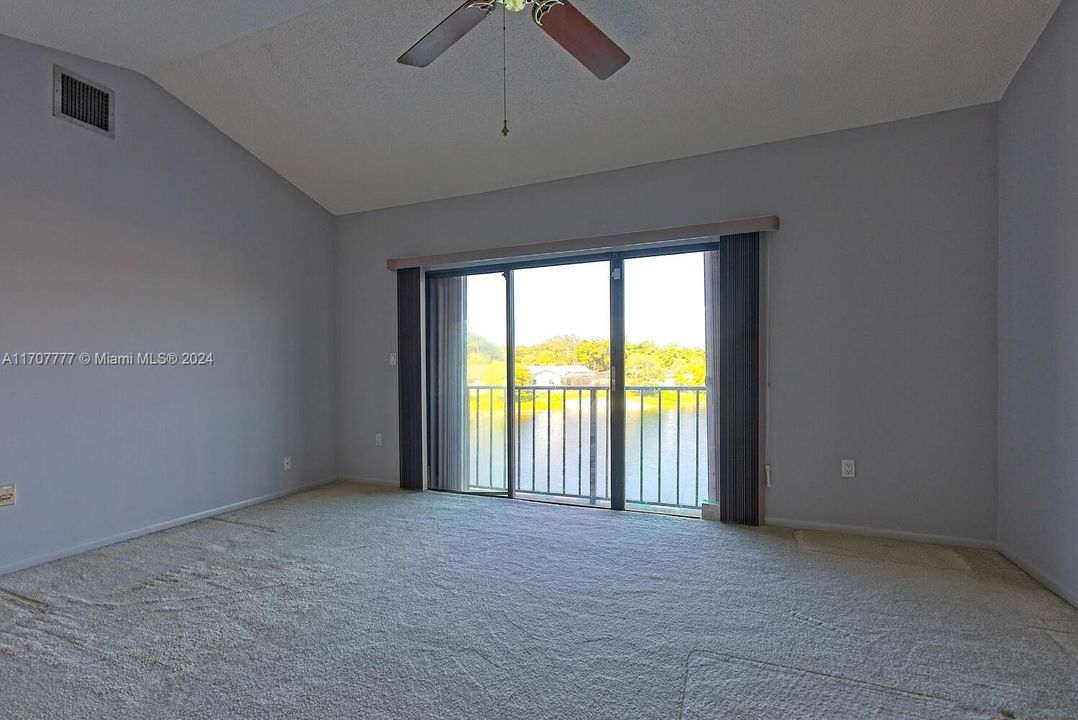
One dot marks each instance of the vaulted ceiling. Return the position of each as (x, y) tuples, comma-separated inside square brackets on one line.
[(312, 87)]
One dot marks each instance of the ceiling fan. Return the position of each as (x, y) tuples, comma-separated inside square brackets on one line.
[(558, 18)]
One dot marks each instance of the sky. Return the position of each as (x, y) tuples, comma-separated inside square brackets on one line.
[(664, 302)]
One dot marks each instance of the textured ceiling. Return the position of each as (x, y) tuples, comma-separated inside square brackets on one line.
[(143, 34), (313, 88)]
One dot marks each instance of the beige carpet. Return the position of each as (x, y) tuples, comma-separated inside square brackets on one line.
[(348, 602), (882, 550)]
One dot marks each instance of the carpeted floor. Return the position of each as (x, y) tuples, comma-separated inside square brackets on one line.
[(351, 602)]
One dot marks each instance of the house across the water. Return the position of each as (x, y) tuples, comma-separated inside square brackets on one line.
[(566, 375)]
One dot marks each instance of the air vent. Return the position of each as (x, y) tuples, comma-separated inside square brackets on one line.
[(82, 102)]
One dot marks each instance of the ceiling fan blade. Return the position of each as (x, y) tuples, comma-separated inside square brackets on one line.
[(441, 38), (587, 43)]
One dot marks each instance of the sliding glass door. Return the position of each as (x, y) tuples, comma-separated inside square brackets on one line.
[(580, 382)]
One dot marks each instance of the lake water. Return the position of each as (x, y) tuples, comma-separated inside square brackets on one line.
[(554, 452)]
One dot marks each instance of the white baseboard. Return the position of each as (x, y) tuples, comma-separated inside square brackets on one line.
[(157, 527), (1068, 594), (877, 532)]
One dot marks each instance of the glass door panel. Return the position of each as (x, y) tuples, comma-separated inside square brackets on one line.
[(666, 395), (467, 381), (486, 379), (562, 393)]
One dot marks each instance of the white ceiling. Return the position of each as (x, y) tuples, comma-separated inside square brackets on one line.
[(312, 87), (143, 34)]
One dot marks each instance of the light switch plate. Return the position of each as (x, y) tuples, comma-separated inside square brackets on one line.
[(7, 495)]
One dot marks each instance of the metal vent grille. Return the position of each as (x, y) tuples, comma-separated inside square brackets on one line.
[(83, 102)]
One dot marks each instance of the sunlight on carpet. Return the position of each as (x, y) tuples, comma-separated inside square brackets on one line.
[(880, 549)]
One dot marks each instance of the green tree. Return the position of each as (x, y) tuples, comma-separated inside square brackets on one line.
[(643, 369), (646, 363), (594, 354), (481, 346)]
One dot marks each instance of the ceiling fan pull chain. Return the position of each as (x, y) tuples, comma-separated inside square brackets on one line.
[(505, 77)]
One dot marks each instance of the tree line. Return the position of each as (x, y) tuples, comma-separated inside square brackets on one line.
[(646, 363)]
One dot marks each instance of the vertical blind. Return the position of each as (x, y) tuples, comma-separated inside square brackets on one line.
[(447, 402), (738, 357), (410, 376)]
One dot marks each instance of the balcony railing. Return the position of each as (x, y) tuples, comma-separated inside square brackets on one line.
[(563, 448)]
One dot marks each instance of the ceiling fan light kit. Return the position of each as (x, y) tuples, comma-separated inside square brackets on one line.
[(559, 19), (510, 5), (539, 7)]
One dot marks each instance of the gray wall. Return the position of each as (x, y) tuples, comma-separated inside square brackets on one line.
[(172, 238), (883, 307), (1038, 308), (169, 238)]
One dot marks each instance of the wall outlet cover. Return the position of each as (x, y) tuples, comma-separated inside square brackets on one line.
[(7, 495), (288, 463), (849, 468)]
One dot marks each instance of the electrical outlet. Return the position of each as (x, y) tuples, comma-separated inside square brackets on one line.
[(288, 462), (7, 495), (392, 359), (378, 439), (849, 468)]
